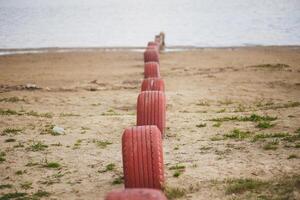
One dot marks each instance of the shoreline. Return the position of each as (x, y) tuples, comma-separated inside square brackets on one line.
[(15, 51)]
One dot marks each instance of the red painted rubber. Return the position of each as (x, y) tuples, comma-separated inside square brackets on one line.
[(136, 194), (152, 48), (151, 55), (153, 45), (142, 157), (151, 109), (153, 84), (151, 70)]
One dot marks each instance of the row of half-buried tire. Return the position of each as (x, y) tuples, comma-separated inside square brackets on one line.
[(142, 144)]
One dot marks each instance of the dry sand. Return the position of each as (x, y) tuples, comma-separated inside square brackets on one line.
[(92, 95)]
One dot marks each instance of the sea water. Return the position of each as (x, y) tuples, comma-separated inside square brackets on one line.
[(131, 23)]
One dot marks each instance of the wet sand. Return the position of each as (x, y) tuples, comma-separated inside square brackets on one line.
[(211, 94)]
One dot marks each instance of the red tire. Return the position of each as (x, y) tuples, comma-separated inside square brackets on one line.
[(152, 48), (136, 194), (151, 109), (151, 55), (153, 84), (153, 45), (142, 157), (151, 70)]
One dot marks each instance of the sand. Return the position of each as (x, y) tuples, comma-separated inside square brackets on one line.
[(92, 95)]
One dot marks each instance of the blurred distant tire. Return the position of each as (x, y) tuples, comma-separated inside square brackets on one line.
[(151, 55), (151, 109), (136, 194), (142, 157), (151, 70), (152, 48), (153, 84), (153, 45)]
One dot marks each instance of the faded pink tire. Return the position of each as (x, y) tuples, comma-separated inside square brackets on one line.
[(151, 70), (151, 55), (153, 84), (151, 109), (142, 157), (136, 194)]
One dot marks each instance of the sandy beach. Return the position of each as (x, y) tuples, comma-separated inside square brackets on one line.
[(233, 122)]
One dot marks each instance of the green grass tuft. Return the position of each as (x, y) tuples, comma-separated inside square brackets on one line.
[(217, 125), (238, 134), (53, 165), (10, 140), (37, 146), (5, 186), (292, 156), (118, 180), (273, 145), (11, 99), (242, 185), (262, 136), (102, 144), (174, 193), (41, 193), (201, 125), (264, 125), (26, 185), (11, 131), (16, 195)]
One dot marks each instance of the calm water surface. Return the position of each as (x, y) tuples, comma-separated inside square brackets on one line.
[(131, 23)]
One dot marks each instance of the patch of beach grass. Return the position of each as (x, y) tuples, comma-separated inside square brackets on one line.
[(201, 125), (238, 186), (264, 125), (52, 165), (221, 111), (26, 185), (217, 124), (12, 99), (285, 187), (238, 134), (102, 144), (109, 167), (276, 66), (68, 115), (179, 169), (37, 146), (77, 144), (20, 172), (2, 157), (251, 118), (27, 113), (10, 140), (292, 156), (15, 195), (19, 145), (262, 136), (40, 194), (110, 112), (11, 131), (272, 145), (5, 186), (118, 180), (216, 138), (174, 192)]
